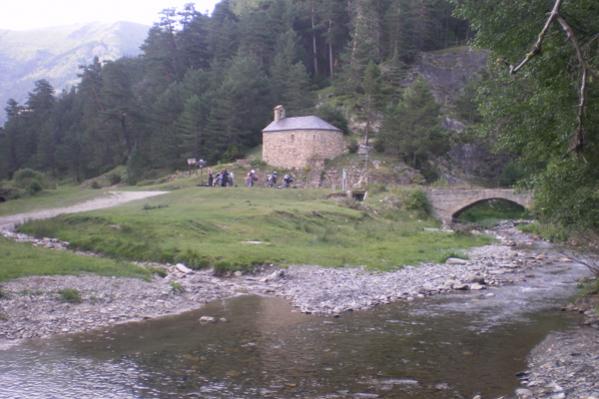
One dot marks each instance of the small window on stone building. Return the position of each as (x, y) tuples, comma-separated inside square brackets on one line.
[(292, 138), (314, 136)]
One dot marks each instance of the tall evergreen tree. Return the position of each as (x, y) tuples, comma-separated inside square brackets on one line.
[(412, 129)]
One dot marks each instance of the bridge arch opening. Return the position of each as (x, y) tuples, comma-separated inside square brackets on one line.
[(490, 211)]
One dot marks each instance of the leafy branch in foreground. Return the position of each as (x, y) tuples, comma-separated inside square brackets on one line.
[(578, 137)]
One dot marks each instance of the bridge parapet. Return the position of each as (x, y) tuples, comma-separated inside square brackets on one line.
[(446, 203)]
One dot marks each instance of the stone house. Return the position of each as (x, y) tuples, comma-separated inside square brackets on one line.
[(299, 142)]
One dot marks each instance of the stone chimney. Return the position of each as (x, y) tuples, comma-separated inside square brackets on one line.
[(279, 113)]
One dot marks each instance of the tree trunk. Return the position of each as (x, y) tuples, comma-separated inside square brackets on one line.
[(314, 45), (331, 57)]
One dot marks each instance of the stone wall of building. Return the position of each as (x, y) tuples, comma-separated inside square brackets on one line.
[(301, 148)]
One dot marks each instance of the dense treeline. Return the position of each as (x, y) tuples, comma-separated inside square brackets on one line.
[(205, 85)]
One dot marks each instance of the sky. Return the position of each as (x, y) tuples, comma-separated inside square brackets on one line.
[(32, 14)]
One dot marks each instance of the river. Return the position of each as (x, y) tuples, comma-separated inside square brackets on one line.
[(450, 346)]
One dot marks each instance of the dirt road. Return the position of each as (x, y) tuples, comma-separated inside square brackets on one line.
[(113, 199)]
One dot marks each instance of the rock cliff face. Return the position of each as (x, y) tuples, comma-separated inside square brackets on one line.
[(448, 71), (56, 53)]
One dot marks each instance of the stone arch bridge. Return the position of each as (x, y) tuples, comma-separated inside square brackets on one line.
[(446, 202)]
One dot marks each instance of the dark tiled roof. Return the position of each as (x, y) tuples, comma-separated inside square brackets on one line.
[(299, 123)]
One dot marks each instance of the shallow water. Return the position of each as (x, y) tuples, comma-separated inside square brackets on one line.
[(454, 346)]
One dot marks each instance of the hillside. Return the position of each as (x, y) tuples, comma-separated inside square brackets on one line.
[(56, 53)]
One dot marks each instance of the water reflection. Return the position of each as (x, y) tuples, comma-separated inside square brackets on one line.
[(265, 350)]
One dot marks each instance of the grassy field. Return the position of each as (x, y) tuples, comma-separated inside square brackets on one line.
[(235, 228), (20, 260), (61, 196)]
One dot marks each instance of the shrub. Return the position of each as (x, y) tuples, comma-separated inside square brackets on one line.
[(417, 202), (377, 188), (177, 288), (353, 146), (3, 294), (114, 178), (70, 295), (29, 180), (34, 187), (257, 164), (231, 154), (95, 185)]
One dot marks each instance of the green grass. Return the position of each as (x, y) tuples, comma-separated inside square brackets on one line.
[(62, 196), (488, 213), (21, 260), (239, 228)]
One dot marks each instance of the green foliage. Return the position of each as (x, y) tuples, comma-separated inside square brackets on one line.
[(417, 201), (29, 180), (177, 288), (548, 231), (353, 146), (135, 167), (232, 154), (334, 116), (70, 295), (533, 114), (412, 129)]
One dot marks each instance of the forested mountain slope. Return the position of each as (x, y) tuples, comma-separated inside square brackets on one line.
[(205, 85)]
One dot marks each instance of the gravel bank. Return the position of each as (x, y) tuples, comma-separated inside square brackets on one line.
[(564, 366), (33, 307)]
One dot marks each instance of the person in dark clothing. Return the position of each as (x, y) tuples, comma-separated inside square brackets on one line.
[(224, 178), (210, 179), (287, 180)]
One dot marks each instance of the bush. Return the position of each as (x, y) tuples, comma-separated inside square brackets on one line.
[(257, 164), (177, 288), (29, 180), (3, 294), (353, 146), (417, 202), (34, 187), (114, 178), (70, 295), (95, 185), (333, 116)]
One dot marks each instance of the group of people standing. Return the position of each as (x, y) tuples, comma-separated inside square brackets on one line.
[(225, 178)]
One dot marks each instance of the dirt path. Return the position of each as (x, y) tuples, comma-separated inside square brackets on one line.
[(115, 198)]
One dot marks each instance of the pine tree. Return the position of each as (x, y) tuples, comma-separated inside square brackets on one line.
[(192, 39), (290, 82), (371, 98), (366, 38), (224, 32), (412, 129)]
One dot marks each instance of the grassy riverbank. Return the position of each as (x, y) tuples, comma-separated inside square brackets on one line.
[(21, 260), (235, 228)]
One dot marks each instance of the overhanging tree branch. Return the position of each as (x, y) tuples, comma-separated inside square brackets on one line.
[(538, 45), (577, 140)]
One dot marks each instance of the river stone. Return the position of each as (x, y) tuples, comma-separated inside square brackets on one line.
[(207, 319), (523, 393), (477, 287), (456, 261), (182, 268)]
